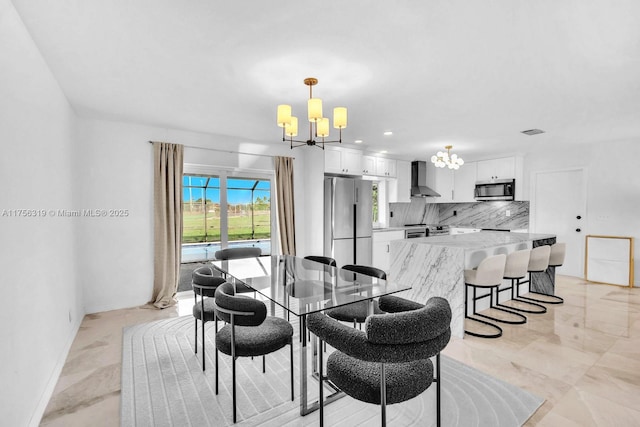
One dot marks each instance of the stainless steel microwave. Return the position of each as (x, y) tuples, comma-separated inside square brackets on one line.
[(497, 189)]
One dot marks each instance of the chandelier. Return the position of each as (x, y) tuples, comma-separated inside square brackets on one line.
[(442, 159), (318, 125)]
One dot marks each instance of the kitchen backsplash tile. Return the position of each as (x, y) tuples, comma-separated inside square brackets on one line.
[(475, 215), (486, 214), (416, 212)]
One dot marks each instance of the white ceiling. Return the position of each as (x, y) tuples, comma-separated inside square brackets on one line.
[(463, 72)]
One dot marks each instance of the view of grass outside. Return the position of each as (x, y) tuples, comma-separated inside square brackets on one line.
[(374, 197), (248, 209), (240, 225)]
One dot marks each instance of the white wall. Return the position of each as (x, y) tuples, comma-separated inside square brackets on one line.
[(115, 255), (42, 301), (313, 220), (613, 185)]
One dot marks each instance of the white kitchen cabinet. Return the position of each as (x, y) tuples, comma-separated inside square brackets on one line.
[(464, 183), (368, 165), (400, 188), (381, 257), (440, 180), (504, 168), (342, 161), (385, 167)]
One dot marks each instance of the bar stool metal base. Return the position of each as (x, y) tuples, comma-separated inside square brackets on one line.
[(514, 297), (497, 328), (554, 299), (477, 334), (521, 319)]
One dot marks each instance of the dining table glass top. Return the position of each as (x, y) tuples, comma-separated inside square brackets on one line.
[(302, 286)]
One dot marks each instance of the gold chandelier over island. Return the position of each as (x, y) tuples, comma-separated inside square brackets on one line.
[(442, 159)]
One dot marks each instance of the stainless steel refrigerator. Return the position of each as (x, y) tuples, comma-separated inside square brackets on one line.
[(348, 220)]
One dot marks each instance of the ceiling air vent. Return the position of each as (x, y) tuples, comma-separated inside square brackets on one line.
[(532, 132)]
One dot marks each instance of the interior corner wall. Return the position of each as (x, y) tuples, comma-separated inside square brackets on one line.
[(115, 162), (613, 189), (42, 306)]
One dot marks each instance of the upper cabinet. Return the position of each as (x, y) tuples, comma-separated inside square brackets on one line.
[(368, 165), (440, 180), (400, 188), (385, 167), (342, 161), (464, 182), (504, 168)]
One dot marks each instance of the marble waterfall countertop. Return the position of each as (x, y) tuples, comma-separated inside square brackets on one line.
[(481, 240), (434, 266)]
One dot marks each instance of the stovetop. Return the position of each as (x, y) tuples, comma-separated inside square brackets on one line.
[(431, 229), (429, 226)]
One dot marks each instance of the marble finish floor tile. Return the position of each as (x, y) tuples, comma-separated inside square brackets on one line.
[(583, 357)]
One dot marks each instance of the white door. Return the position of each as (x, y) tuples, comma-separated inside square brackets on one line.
[(558, 206)]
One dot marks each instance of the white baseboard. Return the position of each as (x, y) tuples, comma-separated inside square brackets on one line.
[(36, 418)]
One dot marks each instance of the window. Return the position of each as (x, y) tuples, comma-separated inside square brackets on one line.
[(222, 211), (248, 209), (201, 209), (378, 203), (374, 203)]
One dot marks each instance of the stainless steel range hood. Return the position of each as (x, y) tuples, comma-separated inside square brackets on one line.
[(419, 180)]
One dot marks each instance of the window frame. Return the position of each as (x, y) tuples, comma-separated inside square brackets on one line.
[(224, 174)]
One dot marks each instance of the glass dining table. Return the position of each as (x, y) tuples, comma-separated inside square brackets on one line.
[(297, 286)]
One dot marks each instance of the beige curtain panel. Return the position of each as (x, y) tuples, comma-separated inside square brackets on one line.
[(167, 226), (286, 211)]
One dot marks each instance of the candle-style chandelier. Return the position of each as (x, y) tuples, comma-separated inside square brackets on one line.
[(442, 159), (318, 125)]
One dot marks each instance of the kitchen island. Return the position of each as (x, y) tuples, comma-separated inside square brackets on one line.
[(434, 266)]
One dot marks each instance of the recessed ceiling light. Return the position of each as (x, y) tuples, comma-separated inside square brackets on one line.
[(383, 152), (358, 141), (532, 132), (388, 133)]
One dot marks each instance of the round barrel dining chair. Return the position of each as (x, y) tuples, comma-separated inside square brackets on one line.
[(389, 362), (322, 259), (249, 332), (358, 311), (238, 253), (204, 281)]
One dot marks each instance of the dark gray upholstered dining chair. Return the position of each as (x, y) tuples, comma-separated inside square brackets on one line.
[(239, 253), (322, 259), (204, 281), (389, 362), (249, 332), (358, 312)]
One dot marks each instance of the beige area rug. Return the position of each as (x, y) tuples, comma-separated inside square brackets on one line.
[(163, 385)]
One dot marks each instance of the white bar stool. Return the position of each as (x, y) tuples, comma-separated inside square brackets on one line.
[(516, 269), (488, 275), (539, 262)]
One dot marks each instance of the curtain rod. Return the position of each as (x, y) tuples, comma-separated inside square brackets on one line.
[(226, 151)]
